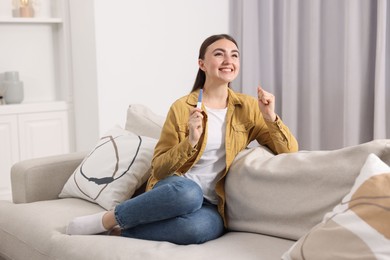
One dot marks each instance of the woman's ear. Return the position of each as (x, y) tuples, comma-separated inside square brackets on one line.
[(201, 65)]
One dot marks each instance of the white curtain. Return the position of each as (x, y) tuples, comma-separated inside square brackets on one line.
[(326, 61)]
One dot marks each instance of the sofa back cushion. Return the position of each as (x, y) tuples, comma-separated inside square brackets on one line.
[(287, 194), (143, 121)]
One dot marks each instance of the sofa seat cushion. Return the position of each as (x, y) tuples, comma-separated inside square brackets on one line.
[(37, 231), (233, 245), (26, 230)]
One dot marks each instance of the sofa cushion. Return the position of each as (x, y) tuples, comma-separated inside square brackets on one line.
[(287, 194), (26, 229), (42, 237), (359, 226), (143, 121), (117, 166)]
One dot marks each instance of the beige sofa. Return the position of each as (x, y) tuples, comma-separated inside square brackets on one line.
[(272, 201)]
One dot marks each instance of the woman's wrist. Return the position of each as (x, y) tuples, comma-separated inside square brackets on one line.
[(270, 118)]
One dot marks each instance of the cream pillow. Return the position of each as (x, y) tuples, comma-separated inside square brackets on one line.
[(143, 121), (113, 170), (358, 227)]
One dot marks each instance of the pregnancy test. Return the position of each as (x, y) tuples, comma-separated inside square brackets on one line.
[(200, 97)]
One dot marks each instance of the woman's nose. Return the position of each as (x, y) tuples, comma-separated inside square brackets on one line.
[(227, 59)]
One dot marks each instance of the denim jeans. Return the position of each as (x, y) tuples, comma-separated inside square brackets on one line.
[(174, 211)]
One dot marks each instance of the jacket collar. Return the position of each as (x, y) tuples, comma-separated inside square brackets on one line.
[(233, 99)]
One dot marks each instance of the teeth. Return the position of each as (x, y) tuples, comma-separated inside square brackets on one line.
[(227, 70)]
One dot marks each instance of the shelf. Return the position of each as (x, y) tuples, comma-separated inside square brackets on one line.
[(33, 107), (34, 20)]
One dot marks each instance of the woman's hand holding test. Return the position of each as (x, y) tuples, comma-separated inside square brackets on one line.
[(195, 126)]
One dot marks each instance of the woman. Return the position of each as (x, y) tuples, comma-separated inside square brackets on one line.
[(185, 198)]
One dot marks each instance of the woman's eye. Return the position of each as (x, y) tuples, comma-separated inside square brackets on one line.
[(218, 54)]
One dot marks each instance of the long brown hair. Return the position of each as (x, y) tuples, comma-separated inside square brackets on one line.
[(201, 76)]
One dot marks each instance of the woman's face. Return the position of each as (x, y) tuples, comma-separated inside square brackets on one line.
[(221, 62)]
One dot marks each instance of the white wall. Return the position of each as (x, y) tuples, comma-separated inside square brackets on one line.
[(145, 52)]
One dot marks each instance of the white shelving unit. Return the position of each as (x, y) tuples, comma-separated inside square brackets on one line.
[(31, 20), (39, 49)]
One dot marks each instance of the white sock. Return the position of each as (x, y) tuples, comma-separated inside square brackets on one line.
[(86, 225)]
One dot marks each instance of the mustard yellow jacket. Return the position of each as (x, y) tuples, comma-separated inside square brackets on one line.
[(173, 153)]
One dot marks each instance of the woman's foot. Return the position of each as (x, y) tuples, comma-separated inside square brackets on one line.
[(87, 225)]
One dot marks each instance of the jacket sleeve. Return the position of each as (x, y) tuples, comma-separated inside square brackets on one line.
[(173, 149), (278, 137), (275, 135)]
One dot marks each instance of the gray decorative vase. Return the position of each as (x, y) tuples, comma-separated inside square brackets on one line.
[(14, 88), (2, 89)]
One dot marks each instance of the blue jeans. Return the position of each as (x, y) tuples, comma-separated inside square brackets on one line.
[(174, 211)]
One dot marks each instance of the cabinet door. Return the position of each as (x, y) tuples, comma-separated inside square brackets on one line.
[(43, 134), (9, 152)]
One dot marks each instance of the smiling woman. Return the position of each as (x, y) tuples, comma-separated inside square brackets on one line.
[(197, 145)]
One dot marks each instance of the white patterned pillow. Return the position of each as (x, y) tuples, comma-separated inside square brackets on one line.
[(113, 170), (358, 227)]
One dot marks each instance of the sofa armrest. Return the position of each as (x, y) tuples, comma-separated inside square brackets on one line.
[(42, 178)]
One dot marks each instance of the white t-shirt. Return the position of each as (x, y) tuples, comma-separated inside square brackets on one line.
[(213, 161)]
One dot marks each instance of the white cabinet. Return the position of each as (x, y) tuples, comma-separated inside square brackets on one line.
[(30, 131), (42, 134), (9, 152)]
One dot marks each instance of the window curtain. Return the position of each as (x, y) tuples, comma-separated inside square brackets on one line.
[(326, 62)]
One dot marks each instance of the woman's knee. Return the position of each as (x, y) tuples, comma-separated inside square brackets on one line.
[(183, 190), (188, 189)]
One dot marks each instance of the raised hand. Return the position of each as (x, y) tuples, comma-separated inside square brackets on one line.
[(266, 104)]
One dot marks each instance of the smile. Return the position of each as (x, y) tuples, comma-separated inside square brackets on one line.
[(226, 70)]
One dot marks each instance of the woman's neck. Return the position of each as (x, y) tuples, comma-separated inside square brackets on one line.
[(215, 96)]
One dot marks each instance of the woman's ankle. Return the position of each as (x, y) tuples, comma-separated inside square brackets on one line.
[(109, 221)]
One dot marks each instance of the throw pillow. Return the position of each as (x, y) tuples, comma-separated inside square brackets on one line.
[(118, 165), (358, 227)]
